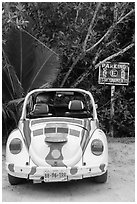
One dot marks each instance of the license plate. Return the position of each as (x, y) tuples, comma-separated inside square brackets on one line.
[(55, 175)]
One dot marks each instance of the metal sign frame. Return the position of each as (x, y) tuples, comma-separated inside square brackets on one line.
[(113, 69)]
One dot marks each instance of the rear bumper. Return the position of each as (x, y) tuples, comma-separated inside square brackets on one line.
[(39, 174)]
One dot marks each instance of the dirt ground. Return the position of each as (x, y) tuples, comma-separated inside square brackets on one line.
[(120, 186)]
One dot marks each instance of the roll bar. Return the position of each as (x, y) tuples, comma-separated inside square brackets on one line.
[(23, 116)]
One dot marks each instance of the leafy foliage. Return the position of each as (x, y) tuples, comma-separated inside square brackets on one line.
[(11, 86), (27, 63), (84, 34), (32, 61), (65, 26)]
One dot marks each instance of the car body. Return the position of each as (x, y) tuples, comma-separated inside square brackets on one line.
[(57, 139)]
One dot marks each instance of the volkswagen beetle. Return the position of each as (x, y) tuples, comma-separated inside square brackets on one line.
[(57, 139)]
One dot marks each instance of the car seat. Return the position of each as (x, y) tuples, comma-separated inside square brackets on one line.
[(40, 110), (76, 109)]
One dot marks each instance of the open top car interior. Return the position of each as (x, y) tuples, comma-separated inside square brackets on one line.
[(59, 104)]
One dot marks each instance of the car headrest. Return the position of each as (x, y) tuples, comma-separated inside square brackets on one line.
[(41, 99), (76, 105), (41, 108)]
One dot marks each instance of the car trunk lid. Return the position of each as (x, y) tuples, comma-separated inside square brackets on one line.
[(58, 142)]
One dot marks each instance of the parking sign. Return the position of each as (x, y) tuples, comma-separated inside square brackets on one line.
[(116, 73)]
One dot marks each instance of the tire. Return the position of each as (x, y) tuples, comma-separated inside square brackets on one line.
[(102, 178), (15, 180)]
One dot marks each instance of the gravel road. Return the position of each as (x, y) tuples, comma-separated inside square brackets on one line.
[(120, 186)]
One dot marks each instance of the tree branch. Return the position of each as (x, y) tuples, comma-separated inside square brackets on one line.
[(110, 30), (105, 37), (81, 78), (77, 12), (123, 7), (70, 69), (85, 42), (114, 55), (115, 12), (91, 25), (85, 74)]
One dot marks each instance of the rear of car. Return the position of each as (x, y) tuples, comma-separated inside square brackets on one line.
[(58, 139)]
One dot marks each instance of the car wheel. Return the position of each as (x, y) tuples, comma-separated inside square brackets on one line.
[(101, 179), (15, 180)]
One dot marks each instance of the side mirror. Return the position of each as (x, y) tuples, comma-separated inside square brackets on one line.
[(96, 105)]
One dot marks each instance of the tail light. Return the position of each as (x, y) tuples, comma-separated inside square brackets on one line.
[(97, 147), (15, 146)]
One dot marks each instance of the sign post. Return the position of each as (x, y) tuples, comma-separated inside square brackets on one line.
[(112, 109), (116, 73)]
